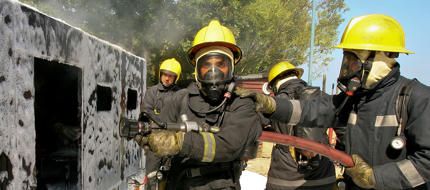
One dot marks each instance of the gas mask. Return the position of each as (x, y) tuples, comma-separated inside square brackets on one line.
[(363, 69), (354, 72), (214, 70)]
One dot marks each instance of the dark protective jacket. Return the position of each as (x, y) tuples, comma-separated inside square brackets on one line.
[(210, 160), (283, 173), (371, 123), (153, 102), (155, 97)]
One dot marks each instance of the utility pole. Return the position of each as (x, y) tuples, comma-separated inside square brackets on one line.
[(312, 42), (332, 88), (323, 82)]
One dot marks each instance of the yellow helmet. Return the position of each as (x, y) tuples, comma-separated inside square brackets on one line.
[(282, 68), (375, 32), (171, 66), (214, 35)]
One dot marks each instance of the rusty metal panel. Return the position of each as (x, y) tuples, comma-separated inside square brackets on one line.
[(252, 84)]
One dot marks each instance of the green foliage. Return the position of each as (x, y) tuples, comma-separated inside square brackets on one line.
[(267, 31)]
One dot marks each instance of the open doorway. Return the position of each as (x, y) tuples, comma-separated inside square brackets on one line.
[(57, 120)]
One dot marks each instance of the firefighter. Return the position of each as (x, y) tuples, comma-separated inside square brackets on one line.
[(292, 168), (386, 115), (211, 159), (169, 73), (154, 101)]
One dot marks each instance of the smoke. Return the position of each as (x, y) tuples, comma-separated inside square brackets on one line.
[(73, 14), (152, 29)]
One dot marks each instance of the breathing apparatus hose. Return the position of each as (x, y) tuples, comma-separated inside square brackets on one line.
[(227, 95), (211, 110)]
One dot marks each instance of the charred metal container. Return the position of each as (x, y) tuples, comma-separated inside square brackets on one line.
[(62, 94)]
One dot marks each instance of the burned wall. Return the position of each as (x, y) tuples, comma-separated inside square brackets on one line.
[(105, 160)]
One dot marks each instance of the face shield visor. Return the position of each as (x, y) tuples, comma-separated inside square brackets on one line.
[(351, 66), (349, 79), (214, 70)]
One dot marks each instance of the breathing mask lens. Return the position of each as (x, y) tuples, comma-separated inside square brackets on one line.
[(351, 66), (214, 71), (214, 68)]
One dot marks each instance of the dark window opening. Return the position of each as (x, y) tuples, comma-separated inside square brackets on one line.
[(57, 120), (104, 98), (131, 99)]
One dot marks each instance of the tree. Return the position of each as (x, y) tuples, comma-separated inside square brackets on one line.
[(267, 31)]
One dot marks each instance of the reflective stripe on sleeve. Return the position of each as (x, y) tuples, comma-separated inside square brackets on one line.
[(352, 119), (386, 121), (209, 146), (297, 112), (300, 182), (410, 172)]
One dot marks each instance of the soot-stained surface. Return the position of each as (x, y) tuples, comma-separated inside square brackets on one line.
[(49, 74)]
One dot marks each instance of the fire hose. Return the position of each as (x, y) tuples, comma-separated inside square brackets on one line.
[(287, 140), (129, 128)]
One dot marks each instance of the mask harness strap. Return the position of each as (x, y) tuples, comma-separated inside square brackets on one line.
[(366, 68)]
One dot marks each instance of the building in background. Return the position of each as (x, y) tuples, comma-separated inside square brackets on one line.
[(253, 82)]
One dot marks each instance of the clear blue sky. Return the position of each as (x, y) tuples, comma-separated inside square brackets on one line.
[(413, 16)]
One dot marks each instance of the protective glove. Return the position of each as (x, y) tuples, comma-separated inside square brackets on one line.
[(162, 143), (142, 141), (263, 103), (361, 173)]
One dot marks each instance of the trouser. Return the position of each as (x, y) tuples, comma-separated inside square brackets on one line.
[(284, 173), (152, 164), (215, 176)]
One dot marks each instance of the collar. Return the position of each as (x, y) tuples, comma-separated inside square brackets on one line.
[(193, 89), (161, 88), (196, 98), (290, 86), (284, 80)]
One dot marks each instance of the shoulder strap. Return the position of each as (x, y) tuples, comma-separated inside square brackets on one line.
[(402, 103)]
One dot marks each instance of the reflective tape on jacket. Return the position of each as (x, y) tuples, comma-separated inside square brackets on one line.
[(297, 113), (386, 121), (352, 119), (380, 121), (410, 172), (209, 146)]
